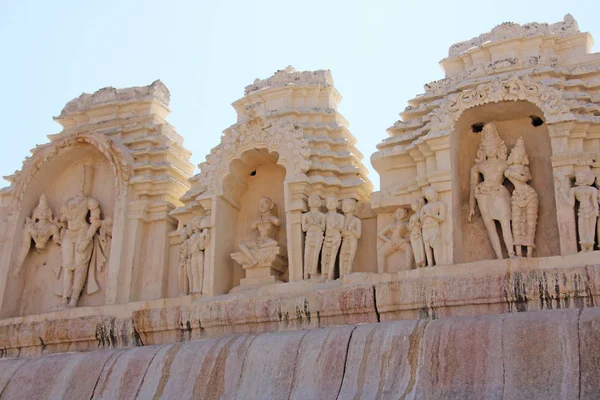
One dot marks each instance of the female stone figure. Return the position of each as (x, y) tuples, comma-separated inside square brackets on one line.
[(350, 234), (313, 223), (493, 199), (587, 196), (524, 199), (197, 244), (266, 225), (432, 215), (334, 223), (397, 241), (416, 233)]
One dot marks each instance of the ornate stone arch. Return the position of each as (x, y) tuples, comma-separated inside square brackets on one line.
[(283, 137), (550, 100), (117, 155)]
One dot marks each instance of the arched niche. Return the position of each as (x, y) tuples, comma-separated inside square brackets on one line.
[(59, 177), (256, 173), (512, 119)]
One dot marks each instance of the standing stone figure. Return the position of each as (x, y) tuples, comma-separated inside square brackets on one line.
[(416, 232), (432, 215), (492, 197), (184, 258), (398, 241), (524, 200), (587, 196), (197, 243), (265, 248), (313, 223), (77, 245), (334, 223), (350, 234), (40, 227)]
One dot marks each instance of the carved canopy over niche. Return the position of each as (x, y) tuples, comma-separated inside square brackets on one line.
[(548, 99), (283, 137), (117, 155)]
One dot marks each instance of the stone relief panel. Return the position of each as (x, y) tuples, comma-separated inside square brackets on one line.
[(313, 224), (395, 238)]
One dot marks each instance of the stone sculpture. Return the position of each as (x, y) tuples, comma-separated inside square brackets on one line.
[(184, 256), (313, 223), (77, 239), (263, 255), (39, 228), (432, 215), (492, 197), (197, 243), (587, 213), (524, 199), (398, 241), (350, 234), (334, 224), (416, 232)]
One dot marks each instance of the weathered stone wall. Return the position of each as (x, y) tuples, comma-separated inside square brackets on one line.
[(541, 355)]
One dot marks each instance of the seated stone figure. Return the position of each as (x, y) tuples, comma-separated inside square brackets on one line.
[(263, 254)]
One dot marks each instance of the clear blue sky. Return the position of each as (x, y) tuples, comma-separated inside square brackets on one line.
[(380, 53)]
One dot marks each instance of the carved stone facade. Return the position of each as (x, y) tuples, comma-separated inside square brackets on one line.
[(488, 204)]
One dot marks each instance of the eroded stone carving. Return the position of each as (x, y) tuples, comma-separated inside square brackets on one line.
[(399, 240), (416, 232), (351, 232), (492, 197), (432, 215), (524, 199), (313, 223), (197, 243), (334, 224), (587, 197), (184, 258), (40, 228), (262, 258)]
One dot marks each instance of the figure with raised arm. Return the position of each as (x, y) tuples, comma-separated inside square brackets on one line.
[(398, 240)]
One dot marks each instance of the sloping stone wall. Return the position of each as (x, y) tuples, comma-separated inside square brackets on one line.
[(530, 355)]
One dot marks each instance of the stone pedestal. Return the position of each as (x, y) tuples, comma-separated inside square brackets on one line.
[(264, 273)]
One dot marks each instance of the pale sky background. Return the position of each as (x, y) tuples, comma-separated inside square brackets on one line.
[(381, 53)]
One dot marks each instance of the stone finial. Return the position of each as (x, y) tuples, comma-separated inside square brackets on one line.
[(288, 76)]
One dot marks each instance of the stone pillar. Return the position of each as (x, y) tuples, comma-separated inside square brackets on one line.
[(562, 167), (296, 195), (117, 249)]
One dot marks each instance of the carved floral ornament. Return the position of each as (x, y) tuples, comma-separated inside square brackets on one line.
[(548, 99), (283, 137), (118, 156)]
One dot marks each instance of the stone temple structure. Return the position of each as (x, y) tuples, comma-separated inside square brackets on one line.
[(277, 272)]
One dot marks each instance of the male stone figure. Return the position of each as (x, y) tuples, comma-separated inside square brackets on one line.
[(185, 278), (40, 227), (587, 196), (524, 199), (334, 223), (398, 241), (350, 234), (77, 244), (432, 215), (492, 197), (313, 223), (416, 232), (197, 244)]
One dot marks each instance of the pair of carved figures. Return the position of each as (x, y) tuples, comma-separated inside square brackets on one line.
[(495, 202), (84, 239), (326, 233), (419, 238), (587, 213), (196, 238)]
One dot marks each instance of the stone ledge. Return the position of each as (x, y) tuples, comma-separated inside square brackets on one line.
[(487, 287)]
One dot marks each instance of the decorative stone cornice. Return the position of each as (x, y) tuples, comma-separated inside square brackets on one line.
[(289, 76), (566, 27), (279, 136), (109, 95)]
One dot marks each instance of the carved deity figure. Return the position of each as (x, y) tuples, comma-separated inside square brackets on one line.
[(334, 224), (399, 240), (184, 257), (351, 232), (77, 245), (265, 248), (492, 197), (416, 232), (587, 197), (524, 199), (432, 215), (39, 228), (197, 243), (313, 223)]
